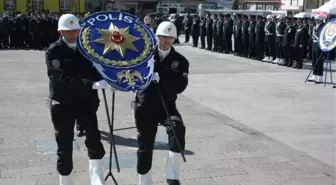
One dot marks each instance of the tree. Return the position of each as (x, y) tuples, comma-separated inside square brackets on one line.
[(235, 5)]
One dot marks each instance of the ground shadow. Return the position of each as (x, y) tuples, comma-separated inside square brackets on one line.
[(130, 142)]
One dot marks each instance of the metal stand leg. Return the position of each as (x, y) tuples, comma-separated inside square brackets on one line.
[(112, 144)]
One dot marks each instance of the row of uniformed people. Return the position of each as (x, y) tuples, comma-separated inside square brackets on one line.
[(279, 40)]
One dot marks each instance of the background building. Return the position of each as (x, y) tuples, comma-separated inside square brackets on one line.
[(37, 5)]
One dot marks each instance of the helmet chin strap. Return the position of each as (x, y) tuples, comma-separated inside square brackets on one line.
[(70, 45)]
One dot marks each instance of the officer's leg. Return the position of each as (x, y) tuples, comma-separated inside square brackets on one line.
[(147, 128), (187, 36), (88, 118), (230, 43), (319, 66), (63, 122), (267, 55), (174, 156), (203, 42)]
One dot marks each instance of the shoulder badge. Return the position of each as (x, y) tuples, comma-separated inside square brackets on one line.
[(174, 64), (55, 63)]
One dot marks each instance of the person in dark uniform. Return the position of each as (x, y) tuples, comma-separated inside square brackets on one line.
[(209, 31), (298, 45), (195, 30), (252, 37), (73, 96), (310, 41), (157, 22), (188, 21), (5, 27), (227, 34), (237, 30), (317, 59), (245, 36), (288, 41), (214, 36), (230, 21), (280, 31), (171, 78), (260, 38), (178, 24), (203, 31), (269, 39), (219, 33), (305, 36)]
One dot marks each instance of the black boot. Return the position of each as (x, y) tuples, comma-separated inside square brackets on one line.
[(173, 182)]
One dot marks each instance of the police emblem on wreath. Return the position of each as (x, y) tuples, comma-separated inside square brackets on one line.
[(120, 47), (327, 38)]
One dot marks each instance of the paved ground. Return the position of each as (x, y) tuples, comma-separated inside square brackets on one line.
[(249, 123)]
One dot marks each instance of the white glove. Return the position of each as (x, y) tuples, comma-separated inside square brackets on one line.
[(156, 77), (99, 85)]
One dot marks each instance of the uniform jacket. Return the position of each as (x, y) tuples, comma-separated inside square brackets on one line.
[(71, 75), (173, 72)]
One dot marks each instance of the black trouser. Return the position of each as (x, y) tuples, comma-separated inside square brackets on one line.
[(215, 41), (195, 39), (279, 49), (310, 49), (245, 43), (317, 59), (203, 41), (226, 44), (238, 45), (187, 35), (289, 55), (146, 122), (229, 42), (269, 46), (260, 49), (63, 118), (298, 55), (209, 41)]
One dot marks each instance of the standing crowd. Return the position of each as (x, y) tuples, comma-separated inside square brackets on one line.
[(275, 39)]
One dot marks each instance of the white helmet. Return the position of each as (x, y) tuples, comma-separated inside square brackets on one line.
[(269, 17), (318, 17), (166, 28), (280, 17), (68, 22)]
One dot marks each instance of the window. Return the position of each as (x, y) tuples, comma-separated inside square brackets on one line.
[(64, 5), (37, 4), (269, 7), (260, 7), (10, 4)]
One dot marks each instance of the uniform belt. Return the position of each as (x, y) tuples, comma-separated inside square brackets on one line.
[(315, 40), (269, 33), (279, 35)]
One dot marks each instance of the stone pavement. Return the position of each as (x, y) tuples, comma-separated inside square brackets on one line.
[(248, 123)]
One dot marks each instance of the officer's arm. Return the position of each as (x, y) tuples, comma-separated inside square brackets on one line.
[(62, 83), (181, 81)]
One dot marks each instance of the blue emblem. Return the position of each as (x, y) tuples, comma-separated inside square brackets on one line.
[(120, 48), (327, 37)]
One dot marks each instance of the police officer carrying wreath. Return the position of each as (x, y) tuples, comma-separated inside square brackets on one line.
[(171, 78), (73, 96), (317, 61)]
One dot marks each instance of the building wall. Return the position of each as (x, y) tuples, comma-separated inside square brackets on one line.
[(53, 5)]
